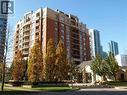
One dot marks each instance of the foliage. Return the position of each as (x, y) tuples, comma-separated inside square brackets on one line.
[(50, 67), (73, 70), (112, 65), (35, 64), (109, 66), (99, 66), (19, 67), (117, 83), (1, 67), (61, 62)]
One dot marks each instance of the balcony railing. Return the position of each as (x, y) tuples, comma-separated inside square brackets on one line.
[(26, 41), (26, 34), (25, 52), (26, 29), (25, 46)]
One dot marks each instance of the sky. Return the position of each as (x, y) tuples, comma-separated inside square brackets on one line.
[(107, 16)]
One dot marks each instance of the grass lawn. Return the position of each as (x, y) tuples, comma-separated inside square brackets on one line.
[(54, 89), (18, 92), (117, 83), (23, 90)]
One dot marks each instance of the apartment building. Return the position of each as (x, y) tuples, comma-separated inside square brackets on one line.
[(46, 23), (3, 25)]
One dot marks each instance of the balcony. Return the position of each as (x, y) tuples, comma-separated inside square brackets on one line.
[(74, 23), (26, 41), (27, 23), (37, 24), (75, 47), (75, 37), (26, 29), (37, 18), (26, 46), (37, 30), (26, 35), (75, 32), (75, 40), (25, 52)]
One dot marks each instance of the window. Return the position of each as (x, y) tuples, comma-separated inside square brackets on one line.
[(37, 21), (62, 26), (38, 14), (62, 19)]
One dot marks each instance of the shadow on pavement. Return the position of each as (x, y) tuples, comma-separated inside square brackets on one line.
[(19, 92), (96, 93), (76, 92)]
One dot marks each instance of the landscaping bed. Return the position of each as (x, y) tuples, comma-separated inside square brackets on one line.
[(117, 83), (95, 86)]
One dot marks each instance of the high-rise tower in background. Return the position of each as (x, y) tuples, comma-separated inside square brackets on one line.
[(3, 25), (46, 23), (95, 42), (113, 46)]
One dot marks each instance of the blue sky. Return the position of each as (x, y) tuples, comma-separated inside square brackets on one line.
[(107, 16)]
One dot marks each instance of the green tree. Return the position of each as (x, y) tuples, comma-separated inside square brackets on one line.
[(61, 62), (19, 65), (35, 64), (99, 66), (50, 67), (112, 65)]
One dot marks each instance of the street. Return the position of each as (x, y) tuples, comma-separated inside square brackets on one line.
[(102, 91), (109, 91)]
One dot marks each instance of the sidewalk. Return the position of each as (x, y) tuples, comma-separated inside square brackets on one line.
[(20, 89), (121, 87)]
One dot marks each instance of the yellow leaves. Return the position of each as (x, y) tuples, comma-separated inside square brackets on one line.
[(19, 67), (35, 64)]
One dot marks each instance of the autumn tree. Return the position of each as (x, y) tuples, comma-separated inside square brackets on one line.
[(61, 62), (50, 67), (19, 67), (35, 64), (73, 69)]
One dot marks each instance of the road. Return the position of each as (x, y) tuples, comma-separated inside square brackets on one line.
[(101, 91), (110, 91)]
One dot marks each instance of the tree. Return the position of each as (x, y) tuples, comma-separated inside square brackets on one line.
[(35, 64), (50, 67), (61, 62), (19, 65), (73, 70), (99, 66), (1, 66), (112, 65)]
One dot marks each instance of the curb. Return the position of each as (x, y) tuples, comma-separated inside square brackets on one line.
[(120, 87)]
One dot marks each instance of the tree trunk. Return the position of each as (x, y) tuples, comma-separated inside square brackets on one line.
[(115, 77), (3, 77)]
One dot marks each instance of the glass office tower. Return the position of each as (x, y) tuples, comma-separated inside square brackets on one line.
[(95, 42), (113, 46), (3, 25)]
